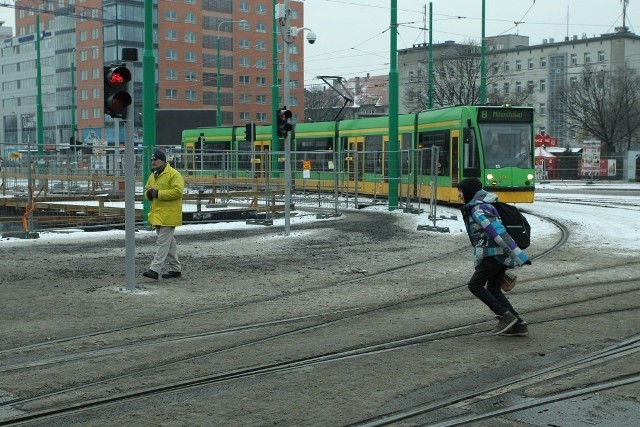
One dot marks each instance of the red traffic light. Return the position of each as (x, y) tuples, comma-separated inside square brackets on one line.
[(117, 76), (283, 126), (116, 95)]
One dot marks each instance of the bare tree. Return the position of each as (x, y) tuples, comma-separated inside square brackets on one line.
[(321, 104), (456, 81), (604, 104)]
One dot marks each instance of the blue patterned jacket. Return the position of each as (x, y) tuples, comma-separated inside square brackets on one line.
[(487, 234)]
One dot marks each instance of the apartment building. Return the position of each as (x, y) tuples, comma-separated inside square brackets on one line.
[(540, 69), (206, 51)]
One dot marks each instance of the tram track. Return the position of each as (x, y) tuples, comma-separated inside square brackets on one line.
[(322, 320)]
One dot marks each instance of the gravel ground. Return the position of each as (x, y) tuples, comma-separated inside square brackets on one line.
[(576, 303)]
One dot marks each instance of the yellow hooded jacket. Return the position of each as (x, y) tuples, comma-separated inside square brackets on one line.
[(166, 209)]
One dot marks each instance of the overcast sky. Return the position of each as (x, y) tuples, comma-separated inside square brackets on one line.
[(353, 37)]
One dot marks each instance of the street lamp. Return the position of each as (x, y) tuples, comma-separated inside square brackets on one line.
[(218, 112)]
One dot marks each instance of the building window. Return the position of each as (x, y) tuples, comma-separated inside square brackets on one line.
[(518, 65), (574, 59), (261, 45), (191, 95), (293, 101), (261, 81), (96, 93), (244, 98), (543, 62), (244, 26), (95, 34), (261, 27), (293, 83), (244, 62), (244, 44), (506, 66), (95, 73), (84, 114), (530, 86), (190, 18), (244, 6), (261, 9), (573, 81), (244, 116), (601, 56), (543, 85), (543, 109), (518, 87), (171, 93), (261, 99), (190, 76), (171, 74), (171, 35), (261, 117), (170, 15), (261, 63), (243, 80), (97, 113), (84, 94), (531, 63), (190, 37), (171, 55), (190, 56), (506, 89), (494, 88), (587, 57)]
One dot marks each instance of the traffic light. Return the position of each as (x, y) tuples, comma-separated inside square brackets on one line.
[(250, 132), (284, 127), (116, 90)]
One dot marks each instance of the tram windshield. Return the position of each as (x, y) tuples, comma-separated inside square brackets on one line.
[(506, 145)]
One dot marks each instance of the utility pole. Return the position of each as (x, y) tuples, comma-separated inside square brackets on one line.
[(393, 109), (148, 99), (483, 63)]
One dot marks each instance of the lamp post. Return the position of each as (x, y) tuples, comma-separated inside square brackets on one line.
[(218, 112)]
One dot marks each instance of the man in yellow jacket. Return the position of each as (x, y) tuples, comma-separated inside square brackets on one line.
[(164, 189)]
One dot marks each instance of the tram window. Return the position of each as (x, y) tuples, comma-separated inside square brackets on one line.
[(506, 145), (441, 140), (471, 162)]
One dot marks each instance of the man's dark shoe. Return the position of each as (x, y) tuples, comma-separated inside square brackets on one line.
[(172, 274), (150, 274)]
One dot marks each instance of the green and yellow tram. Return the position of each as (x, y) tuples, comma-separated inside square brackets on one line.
[(436, 149)]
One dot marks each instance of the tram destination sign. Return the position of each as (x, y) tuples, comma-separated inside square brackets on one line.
[(519, 115)]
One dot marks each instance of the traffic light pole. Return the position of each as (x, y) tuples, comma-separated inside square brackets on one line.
[(287, 138)]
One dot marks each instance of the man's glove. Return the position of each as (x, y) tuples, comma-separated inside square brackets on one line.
[(152, 193)]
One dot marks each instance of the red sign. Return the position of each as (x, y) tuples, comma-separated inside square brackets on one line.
[(546, 140)]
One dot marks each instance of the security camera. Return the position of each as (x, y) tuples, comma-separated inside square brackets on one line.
[(311, 37)]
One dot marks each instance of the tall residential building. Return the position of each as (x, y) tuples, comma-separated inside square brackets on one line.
[(206, 51)]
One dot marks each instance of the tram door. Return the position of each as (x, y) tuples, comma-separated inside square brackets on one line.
[(261, 159), (455, 158), (354, 160)]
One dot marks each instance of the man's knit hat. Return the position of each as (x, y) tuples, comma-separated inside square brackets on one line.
[(158, 155), (469, 188)]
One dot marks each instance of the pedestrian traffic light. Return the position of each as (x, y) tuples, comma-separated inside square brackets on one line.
[(250, 132), (284, 127), (116, 90)]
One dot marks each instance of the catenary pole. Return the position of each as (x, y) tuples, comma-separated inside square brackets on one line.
[(483, 64), (148, 99), (393, 110)]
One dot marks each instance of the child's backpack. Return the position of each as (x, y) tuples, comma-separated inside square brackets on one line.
[(516, 224)]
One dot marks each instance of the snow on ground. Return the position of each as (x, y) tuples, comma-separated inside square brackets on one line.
[(596, 226)]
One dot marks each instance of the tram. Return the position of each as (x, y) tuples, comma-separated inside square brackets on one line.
[(436, 149)]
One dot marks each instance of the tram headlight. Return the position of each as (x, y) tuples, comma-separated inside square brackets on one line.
[(530, 177), (489, 176)]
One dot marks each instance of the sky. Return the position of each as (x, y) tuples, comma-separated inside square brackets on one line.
[(353, 35), (586, 220)]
